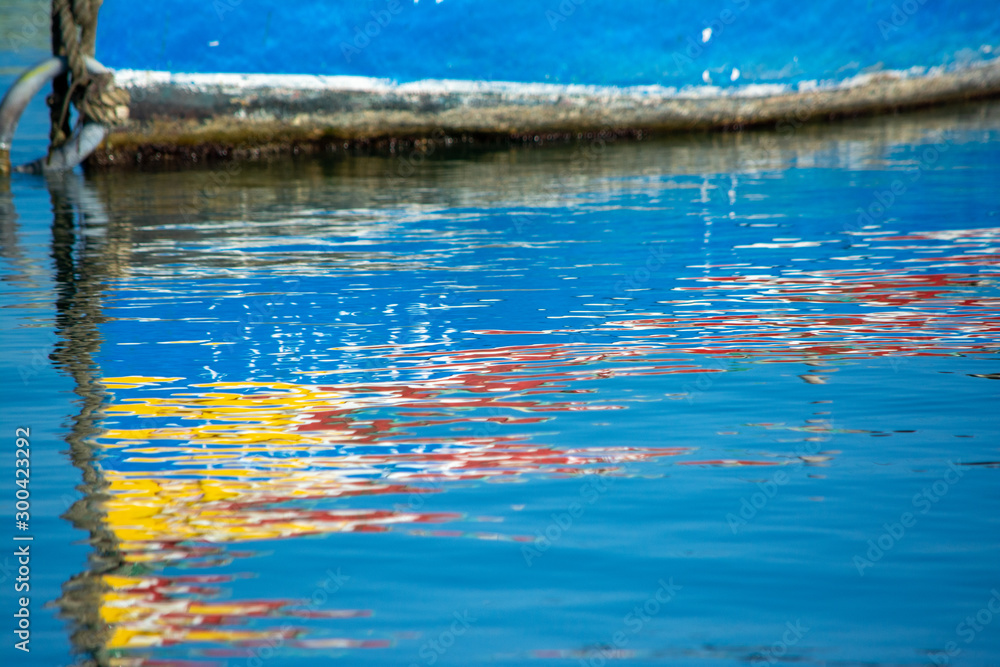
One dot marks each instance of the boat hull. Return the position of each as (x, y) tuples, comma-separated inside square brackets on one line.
[(249, 77)]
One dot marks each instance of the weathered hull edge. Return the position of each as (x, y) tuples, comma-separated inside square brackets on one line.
[(204, 118)]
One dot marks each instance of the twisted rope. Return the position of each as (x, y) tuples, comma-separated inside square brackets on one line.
[(74, 33)]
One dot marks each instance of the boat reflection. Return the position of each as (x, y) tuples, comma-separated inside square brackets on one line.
[(182, 474), (209, 465)]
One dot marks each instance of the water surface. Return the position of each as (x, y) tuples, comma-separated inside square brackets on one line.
[(638, 402)]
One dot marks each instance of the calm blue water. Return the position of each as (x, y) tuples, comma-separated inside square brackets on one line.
[(639, 402), (551, 41)]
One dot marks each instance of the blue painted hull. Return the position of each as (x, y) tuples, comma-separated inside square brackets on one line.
[(673, 44)]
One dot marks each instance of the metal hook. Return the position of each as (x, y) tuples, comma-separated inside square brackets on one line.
[(84, 140)]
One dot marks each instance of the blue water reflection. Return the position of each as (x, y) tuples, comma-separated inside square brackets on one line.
[(724, 399)]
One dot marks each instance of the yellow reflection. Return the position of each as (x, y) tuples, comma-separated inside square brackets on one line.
[(193, 470)]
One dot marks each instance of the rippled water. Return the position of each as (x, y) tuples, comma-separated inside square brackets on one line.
[(637, 402)]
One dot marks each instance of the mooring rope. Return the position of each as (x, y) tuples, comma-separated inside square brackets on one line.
[(74, 33)]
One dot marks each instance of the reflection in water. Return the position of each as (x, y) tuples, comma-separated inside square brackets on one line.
[(933, 314), (243, 461), (81, 267), (471, 345), (10, 245)]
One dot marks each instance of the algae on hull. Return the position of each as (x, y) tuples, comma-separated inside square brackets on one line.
[(198, 118)]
